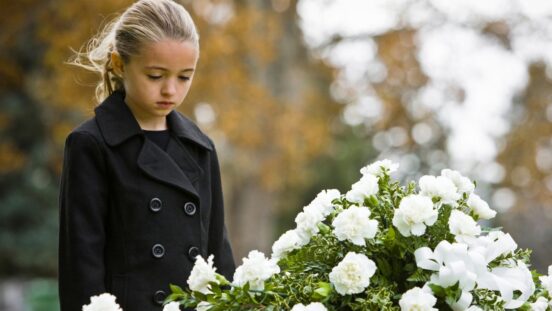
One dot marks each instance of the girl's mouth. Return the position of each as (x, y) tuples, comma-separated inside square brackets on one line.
[(164, 104)]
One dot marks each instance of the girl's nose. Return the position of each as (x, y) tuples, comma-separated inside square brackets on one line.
[(169, 87)]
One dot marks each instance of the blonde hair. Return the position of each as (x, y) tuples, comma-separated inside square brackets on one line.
[(146, 21)]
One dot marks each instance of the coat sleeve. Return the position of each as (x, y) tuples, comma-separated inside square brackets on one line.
[(219, 244), (83, 206)]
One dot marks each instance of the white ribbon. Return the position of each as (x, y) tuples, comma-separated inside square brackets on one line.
[(456, 263)]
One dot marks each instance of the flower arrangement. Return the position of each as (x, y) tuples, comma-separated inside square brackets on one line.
[(380, 246)]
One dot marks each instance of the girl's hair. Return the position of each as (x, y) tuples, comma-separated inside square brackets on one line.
[(146, 21)]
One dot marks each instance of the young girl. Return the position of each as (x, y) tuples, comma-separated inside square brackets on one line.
[(140, 192)]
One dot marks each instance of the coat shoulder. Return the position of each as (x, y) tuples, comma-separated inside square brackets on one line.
[(87, 128)]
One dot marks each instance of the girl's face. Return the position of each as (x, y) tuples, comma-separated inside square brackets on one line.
[(157, 80)]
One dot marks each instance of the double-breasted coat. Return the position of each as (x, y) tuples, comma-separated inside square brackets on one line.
[(133, 216)]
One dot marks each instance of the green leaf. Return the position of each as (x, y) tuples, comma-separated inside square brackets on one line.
[(174, 297), (323, 290), (221, 279), (373, 201), (438, 291), (176, 289), (384, 266), (419, 276), (325, 229)]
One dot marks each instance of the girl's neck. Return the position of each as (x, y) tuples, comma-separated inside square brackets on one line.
[(153, 125)]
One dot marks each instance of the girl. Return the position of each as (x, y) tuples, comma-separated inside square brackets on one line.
[(140, 193)]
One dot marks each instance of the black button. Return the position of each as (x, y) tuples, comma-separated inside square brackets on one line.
[(159, 297), (190, 208), (193, 252), (158, 251), (155, 205)]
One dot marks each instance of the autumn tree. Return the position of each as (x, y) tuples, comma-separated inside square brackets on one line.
[(527, 160)]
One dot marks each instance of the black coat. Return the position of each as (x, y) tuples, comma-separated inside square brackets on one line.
[(133, 216)]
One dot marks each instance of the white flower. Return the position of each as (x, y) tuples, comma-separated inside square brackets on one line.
[(315, 306), (378, 167), (103, 302), (203, 306), (365, 187), (417, 299), (441, 187), (540, 305), (307, 223), (354, 224), (462, 183), (413, 214), (474, 308), (286, 243), (202, 273), (463, 226), (352, 275), (255, 269), (480, 207), (172, 306), (323, 201), (546, 281)]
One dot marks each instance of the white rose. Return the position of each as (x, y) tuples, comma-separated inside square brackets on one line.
[(286, 243), (413, 214), (172, 306), (323, 201), (441, 187), (480, 207), (378, 167), (546, 280), (463, 226), (202, 273), (365, 187), (354, 224), (307, 223), (103, 302), (352, 275), (315, 306), (255, 269), (462, 183), (540, 305), (417, 299)]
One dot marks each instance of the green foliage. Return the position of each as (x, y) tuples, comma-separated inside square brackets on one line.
[(305, 270), (488, 300)]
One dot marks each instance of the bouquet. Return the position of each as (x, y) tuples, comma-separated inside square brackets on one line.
[(381, 246)]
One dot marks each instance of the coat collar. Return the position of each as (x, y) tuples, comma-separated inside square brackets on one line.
[(117, 123)]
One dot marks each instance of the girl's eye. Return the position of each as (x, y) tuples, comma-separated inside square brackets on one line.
[(153, 77), (184, 78)]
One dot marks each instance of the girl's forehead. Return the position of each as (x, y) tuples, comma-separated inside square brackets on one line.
[(170, 54)]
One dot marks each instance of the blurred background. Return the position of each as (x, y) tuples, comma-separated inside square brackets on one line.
[(298, 96)]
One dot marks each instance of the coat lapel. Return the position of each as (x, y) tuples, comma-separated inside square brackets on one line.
[(175, 166), (183, 159), (160, 165)]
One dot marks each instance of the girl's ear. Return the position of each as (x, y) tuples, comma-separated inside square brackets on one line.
[(117, 63)]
